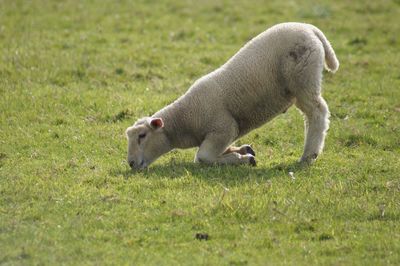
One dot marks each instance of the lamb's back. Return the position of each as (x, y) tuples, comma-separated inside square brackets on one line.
[(253, 83)]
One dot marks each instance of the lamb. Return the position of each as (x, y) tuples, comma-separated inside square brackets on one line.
[(278, 68)]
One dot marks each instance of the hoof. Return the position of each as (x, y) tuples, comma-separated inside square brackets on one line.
[(310, 159), (252, 161), (248, 150)]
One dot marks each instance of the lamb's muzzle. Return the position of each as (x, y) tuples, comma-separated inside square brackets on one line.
[(280, 67)]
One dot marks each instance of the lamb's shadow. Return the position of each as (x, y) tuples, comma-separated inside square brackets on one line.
[(211, 172)]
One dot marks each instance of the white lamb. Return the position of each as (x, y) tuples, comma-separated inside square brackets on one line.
[(280, 67)]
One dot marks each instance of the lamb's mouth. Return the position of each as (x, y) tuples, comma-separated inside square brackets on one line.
[(143, 164), (139, 166)]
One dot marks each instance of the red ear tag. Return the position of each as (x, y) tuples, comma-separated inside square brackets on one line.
[(157, 123)]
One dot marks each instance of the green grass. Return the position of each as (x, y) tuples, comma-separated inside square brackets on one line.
[(75, 74)]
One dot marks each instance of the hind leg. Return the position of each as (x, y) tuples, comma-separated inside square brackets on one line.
[(316, 114)]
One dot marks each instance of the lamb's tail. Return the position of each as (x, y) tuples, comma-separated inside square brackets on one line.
[(331, 62)]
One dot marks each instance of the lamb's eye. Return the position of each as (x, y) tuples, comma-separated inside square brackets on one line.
[(141, 136)]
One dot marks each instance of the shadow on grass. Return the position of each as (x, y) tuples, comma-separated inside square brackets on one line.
[(212, 172)]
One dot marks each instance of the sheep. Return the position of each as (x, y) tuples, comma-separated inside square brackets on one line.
[(279, 68)]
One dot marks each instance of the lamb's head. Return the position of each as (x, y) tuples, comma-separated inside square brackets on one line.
[(146, 142)]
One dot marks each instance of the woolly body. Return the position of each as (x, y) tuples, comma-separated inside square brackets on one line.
[(280, 67)]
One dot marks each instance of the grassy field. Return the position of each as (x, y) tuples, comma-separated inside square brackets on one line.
[(75, 74)]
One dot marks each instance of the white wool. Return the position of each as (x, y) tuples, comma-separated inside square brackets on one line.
[(278, 68)]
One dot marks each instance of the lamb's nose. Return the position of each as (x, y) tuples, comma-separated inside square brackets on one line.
[(132, 164)]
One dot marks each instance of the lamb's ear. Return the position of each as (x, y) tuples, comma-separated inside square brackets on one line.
[(156, 123), (128, 131)]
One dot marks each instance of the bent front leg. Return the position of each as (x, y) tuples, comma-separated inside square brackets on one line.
[(213, 150), (243, 150)]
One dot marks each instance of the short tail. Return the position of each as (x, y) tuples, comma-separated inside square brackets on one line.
[(331, 62)]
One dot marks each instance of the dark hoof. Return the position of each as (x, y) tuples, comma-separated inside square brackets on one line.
[(308, 160), (252, 161), (249, 150)]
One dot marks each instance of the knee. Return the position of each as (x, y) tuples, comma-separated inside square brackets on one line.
[(322, 107), (204, 157), (320, 111), (324, 110)]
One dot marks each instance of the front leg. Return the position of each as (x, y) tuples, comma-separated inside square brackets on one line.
[(214, 150), (243, 150)]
